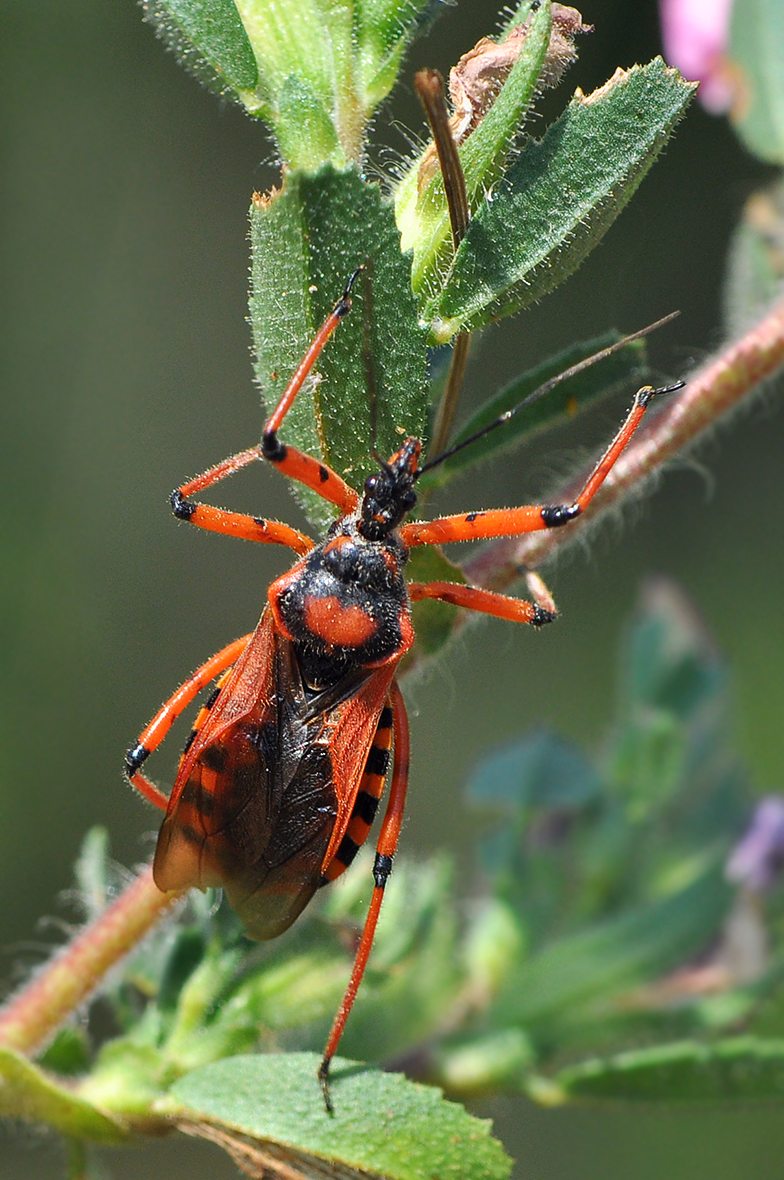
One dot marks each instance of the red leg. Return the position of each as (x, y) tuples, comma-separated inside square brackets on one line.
[(156, 731), (385, 851), (510, 522), (516, 610), (234, 524), (305, 468)]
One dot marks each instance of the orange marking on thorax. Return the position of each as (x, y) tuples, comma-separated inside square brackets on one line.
[(339, 626)]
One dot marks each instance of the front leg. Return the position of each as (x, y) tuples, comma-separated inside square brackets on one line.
[(233, 524), (152, 736), (531, 518)]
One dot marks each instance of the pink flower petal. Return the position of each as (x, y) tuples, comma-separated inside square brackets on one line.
[(695, 35)]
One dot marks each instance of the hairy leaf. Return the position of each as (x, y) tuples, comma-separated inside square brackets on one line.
[(307, 239), (423, 216), (210, 40), (559, 198), (382, 1124)]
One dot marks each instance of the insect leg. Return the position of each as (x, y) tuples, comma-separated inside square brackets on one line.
[(234, 524), (296, 464), (385, 851), (511, 522), (156, 731), (516, 610)]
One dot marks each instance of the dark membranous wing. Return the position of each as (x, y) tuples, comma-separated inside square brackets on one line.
[(258, 793)]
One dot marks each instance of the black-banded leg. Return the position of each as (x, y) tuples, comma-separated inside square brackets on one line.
[(382, 867), (156, 731), (516, 610)]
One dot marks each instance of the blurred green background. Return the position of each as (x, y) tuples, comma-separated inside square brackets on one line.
[(126, 369)]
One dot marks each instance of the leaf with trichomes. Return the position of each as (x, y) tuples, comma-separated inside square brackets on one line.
[(383, 1124), (314, 71), (423, 216), (559, 198), (562, 403), (307, 239)]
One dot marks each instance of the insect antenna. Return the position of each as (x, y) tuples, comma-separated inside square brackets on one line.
[(546, 386)]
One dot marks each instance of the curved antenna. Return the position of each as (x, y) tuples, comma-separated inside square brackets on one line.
[(544, 388)]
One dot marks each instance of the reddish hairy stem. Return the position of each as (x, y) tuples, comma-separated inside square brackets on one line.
[(714, 391), (30, 1018)]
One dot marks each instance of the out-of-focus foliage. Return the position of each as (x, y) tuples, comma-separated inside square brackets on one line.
[(608, 917), (756, 68)]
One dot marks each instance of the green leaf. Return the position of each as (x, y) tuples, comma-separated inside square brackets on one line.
[(490, 1061), (649, 761), (26, 1092), (68, 1053), (423, 217), (570, 397), (186, 955), (210, 40), (304, 130), (579, 976), (738, 1068), (756, 51), (314, 70), (292, 991), (306, 241), (384, 29), (670, 663), (559, 198), (494, 943), (127, 1077), (382, 1124), (541, 770)]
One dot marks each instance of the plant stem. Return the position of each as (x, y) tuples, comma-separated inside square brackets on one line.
[(31, 1017), (429, 86), (711, 394)]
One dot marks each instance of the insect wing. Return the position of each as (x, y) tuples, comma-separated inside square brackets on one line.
[(267, 787), (198, 803), (351, 741)]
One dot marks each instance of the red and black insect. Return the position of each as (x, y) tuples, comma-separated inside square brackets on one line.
[(282, 774)]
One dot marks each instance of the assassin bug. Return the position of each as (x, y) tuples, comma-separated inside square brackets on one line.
[(283, 772)]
